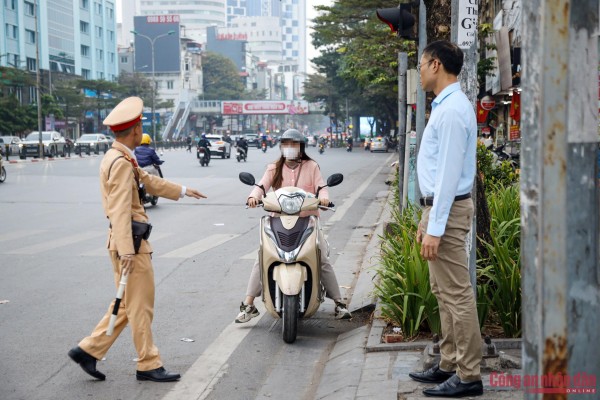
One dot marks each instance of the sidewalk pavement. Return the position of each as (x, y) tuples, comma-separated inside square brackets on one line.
[(360, 367)]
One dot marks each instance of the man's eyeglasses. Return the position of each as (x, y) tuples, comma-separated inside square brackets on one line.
[(425, 63)]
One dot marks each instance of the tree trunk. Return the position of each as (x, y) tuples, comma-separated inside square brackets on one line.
[(438, 19)]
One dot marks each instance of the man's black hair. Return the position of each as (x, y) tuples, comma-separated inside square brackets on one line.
[(448, 53)]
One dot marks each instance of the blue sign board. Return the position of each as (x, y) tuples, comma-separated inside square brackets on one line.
[(147, 123)]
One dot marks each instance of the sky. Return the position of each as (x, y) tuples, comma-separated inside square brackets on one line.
[(311, 52)]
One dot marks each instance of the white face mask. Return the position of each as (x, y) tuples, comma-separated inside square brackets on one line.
[(290, 153)]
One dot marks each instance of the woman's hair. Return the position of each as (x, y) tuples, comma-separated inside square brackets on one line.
[(278, 177)]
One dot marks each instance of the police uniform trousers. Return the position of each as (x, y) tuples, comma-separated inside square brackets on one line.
[(450, 281), (328, 278), (137, 309)]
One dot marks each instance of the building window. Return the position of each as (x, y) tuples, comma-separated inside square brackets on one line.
[(100, 75), (111, 36), (32, 94), (99, 32), (111, 57), (29, 8), (85, 73), (124, 60), (31, 64), (170, 84), (84, 27), (30, 36), (11, 31), (100, 54), (99, 8), (10, 4), (84, 4), (111, 14), (85, 50)]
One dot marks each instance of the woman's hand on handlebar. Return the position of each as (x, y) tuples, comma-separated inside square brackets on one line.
[(252, 202), (324, 202)]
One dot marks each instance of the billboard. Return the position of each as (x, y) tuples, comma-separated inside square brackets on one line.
[(156, 28), (264, 107)]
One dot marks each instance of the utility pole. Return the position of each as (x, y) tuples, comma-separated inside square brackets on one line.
[(420, 125), (402, 68), (38, 81), (560, 192)]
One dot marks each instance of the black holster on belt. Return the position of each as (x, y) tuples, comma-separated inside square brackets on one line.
[(140, 231)]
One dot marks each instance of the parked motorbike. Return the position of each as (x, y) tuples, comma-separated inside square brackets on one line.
[(145, 196), (203, 156), (263, 147), (241, 154), (321, 148), (500, 155), (289, 253), (2, 171)]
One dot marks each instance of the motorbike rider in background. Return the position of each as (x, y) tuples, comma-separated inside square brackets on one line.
[(204, 142), (146, 156), (243, 144), (293, 168)]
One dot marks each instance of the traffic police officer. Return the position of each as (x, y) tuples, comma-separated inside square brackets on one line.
[(119, 181)]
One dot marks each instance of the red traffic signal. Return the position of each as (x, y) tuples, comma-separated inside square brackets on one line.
[(399, 19)]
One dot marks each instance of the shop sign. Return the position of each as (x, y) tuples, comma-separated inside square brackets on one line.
[(487, 103), (514, 133)]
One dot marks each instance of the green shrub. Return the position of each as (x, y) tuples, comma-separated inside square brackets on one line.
[(494, 175), (499, 275), (403, 285)]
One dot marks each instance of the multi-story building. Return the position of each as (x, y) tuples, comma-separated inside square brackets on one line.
[(262, 34), (75, 37), (195, 15), (293, 26)]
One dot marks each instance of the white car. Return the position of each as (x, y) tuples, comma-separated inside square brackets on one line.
[(218, 146), (13, 142), (92, 142), (53, 142)]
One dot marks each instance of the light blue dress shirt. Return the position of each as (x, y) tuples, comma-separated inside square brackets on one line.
[(446, 161)]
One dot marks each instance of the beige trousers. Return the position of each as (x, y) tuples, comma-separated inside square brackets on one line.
[(460, 346), (137, 309), (328, 278)]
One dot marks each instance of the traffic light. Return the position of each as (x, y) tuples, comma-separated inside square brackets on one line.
[(400, 20)]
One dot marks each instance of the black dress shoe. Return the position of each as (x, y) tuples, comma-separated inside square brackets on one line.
[(86, 362), (453, 387), (157, 375), (432, 375)]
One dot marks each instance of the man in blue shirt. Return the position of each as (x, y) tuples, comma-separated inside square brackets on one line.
[(446, 170)]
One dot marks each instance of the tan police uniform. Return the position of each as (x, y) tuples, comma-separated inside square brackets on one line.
[(121, 204)]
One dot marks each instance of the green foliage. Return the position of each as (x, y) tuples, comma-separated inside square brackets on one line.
[(16, 118), (499, 275), (503, 174), (221, 78), (403, 285)]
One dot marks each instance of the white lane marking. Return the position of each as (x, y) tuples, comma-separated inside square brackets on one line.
[(200, 246), (101, 252), (200, 379), (19, 234), (341, 210), (250, 256), (56, 243)]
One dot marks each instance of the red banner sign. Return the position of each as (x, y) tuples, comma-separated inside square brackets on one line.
[(264, 107), (514, 133)]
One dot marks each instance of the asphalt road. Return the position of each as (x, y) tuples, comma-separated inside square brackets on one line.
[(57, 282)]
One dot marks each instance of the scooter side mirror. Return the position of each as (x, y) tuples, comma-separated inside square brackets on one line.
[(247, 178), (335, 180)]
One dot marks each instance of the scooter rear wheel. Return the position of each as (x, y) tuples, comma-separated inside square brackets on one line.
[(291, 313), (154, 200), (2, 174)]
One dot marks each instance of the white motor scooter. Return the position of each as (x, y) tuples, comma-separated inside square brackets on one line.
[(289, 254)]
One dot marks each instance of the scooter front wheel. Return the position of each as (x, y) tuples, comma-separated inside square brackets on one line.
[(154, 200), (291, 313), (2, 174)]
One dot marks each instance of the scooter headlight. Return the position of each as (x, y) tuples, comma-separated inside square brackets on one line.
[(291, 204)]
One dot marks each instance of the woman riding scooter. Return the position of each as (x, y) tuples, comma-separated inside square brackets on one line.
[(294, 168)]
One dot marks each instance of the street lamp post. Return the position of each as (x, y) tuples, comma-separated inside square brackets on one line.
[(152, 40)]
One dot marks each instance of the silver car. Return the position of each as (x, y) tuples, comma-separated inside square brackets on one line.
[(53, 145), (379, 144), (13, 142), (92, 142)]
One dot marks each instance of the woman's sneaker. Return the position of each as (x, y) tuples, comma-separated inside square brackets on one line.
[(341, 312), (246, 313)]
